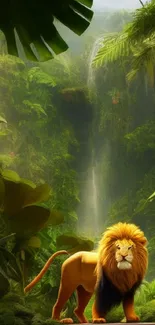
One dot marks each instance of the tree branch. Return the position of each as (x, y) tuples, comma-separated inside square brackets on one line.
[(141, 3)]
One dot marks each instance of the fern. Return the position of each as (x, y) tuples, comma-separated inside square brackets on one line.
[(144, 57), (138, 38), (114, 47)]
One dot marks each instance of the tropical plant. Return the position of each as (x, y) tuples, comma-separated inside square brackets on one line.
[(135, 43), (23, 212), (74, 243), (9, 266), (32, 24)]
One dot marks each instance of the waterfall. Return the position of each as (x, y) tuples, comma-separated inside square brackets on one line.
[(96, 47), (88, 211)]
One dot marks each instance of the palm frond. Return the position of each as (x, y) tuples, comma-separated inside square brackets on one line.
[(32, 22), (114, 47), (143, 23), (144, 58)]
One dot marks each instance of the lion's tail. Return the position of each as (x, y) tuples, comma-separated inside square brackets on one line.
[(43, 271)]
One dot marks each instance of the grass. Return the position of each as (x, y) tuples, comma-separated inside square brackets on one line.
[(144, 305)]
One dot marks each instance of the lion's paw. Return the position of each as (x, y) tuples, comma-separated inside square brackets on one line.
[(133, 318), (99, 320), (66, 321)]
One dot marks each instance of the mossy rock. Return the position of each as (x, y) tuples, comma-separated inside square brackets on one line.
[(74, 94)]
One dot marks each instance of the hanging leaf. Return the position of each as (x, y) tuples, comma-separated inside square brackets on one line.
[(10, 175), (23, 193), (14, 196), (32, 23), (40, 194), (25, 181), (55, 218), (74, 243), (29, 220)]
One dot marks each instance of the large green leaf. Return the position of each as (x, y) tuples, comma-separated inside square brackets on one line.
[(23, 193), (29, 220), (55, 218), (28, 182), (15, 195), (40, 194), (10, 175), (33, 23), (74, 243)]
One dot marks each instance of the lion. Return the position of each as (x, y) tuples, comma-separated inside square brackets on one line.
[(113, 272)]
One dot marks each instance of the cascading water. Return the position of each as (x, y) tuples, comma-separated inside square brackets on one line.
[(89, 223), (96, 46), (89, 216)]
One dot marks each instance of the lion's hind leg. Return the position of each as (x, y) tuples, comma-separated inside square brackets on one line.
[(65, 292), (68, 284), (83, 299)]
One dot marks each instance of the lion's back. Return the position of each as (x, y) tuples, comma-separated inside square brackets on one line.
[(80, 268)]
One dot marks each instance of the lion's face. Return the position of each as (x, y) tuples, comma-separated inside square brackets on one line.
[(123, 247), (124, 254)]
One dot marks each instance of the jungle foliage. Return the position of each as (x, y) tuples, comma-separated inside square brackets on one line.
[(49, 124), (136, 44), (33, 24)]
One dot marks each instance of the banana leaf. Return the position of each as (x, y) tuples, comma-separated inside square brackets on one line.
[(29, 220), (74, 243), (20, 192), (33, 23)]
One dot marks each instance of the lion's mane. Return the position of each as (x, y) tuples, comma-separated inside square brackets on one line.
[(109, 277)]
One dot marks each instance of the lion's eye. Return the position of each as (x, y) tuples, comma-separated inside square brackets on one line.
[(129, 247), (118, 247)]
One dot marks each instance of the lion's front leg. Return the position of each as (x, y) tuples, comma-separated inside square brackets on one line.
[(97, 318), (129, 311)]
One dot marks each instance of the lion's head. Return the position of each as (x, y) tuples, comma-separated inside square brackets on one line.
[(123, 254)]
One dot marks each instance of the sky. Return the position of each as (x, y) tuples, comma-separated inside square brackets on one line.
[(128, 4)]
